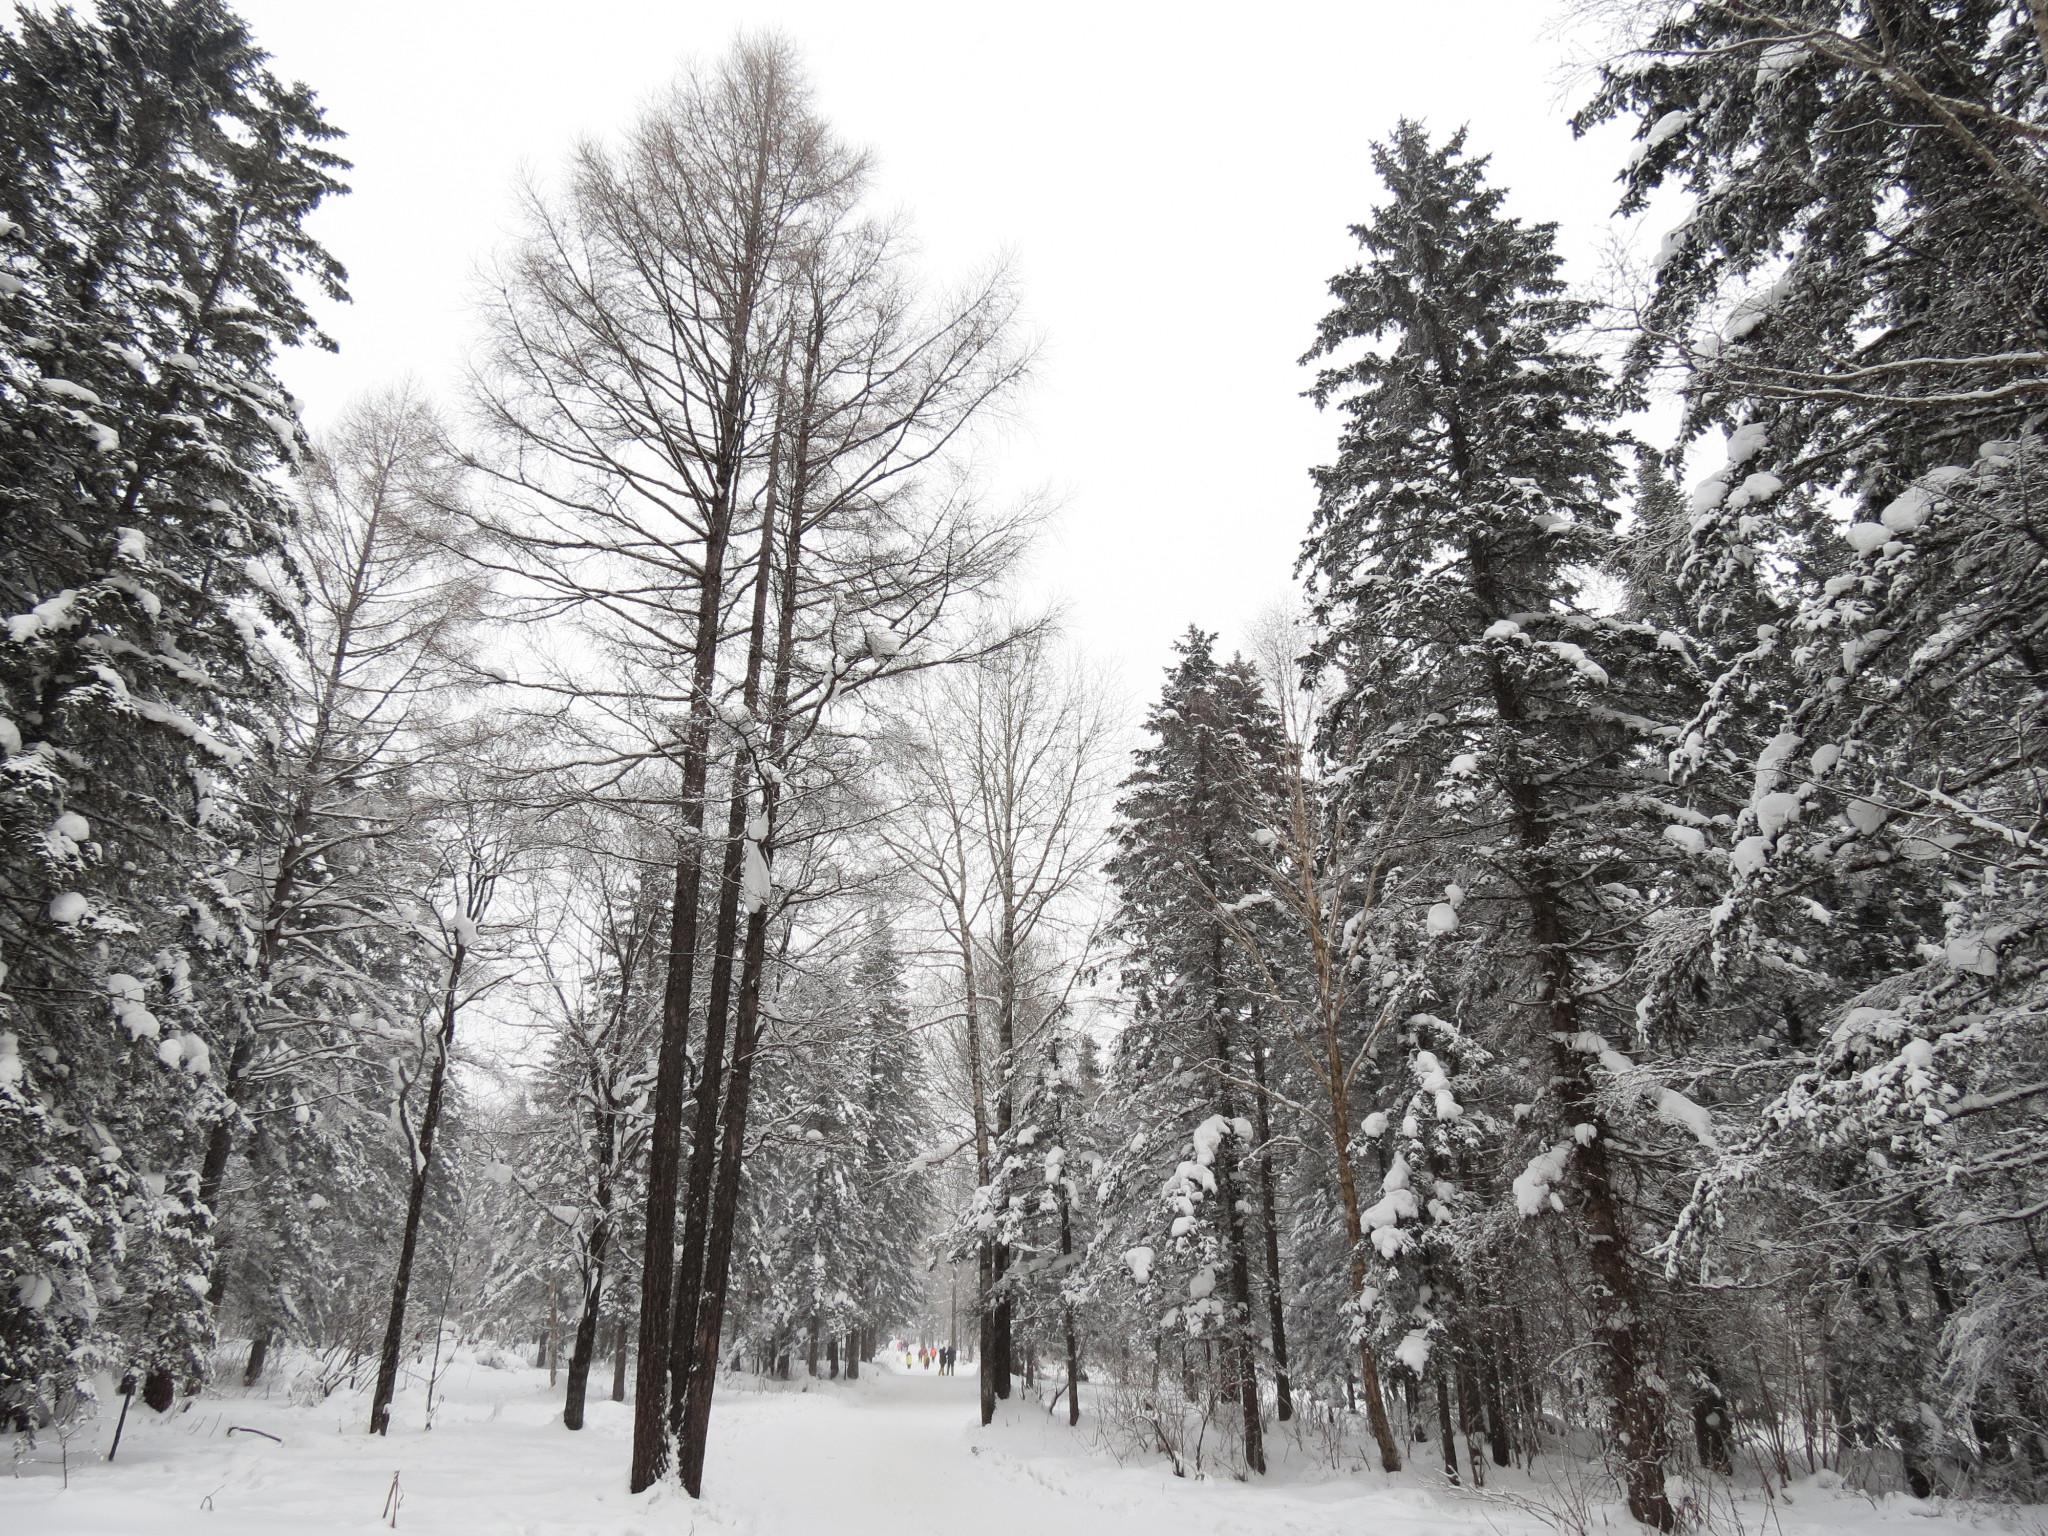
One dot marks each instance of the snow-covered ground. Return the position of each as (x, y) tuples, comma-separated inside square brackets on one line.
[(892, 1455)]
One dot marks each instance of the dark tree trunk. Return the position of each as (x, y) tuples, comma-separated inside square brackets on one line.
[(725, 1198), (619, 1362), (416, 1202), (985, 1315), (1468, 1422), (1443, 1423), (703, 1167), (1496, 1412), (585, 1347), (1276, 1310), (1002, 1340), (259, 1351)]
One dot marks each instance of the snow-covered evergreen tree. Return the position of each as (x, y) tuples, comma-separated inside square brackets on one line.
[(1509, 730), (157, 178)]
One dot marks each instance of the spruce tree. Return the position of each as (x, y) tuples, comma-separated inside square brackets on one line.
[(156, 181), (1485, 705), (1187, 870), (1858, 297)]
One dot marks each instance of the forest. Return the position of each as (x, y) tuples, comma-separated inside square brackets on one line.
[(611, 875)]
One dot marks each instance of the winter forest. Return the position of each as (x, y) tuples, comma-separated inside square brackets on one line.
[(590, 939)]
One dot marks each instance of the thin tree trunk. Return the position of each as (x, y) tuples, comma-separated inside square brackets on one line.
[(1354, 1228), (259, 1351), (401, 1282), (1468, 1421), (619, 1362), (1490, 1366), (586, 1330), (1443, 1422), (1276, 1310)]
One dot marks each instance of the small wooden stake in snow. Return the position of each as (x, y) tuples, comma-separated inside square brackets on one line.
[(392, 1500), (127, 1397)]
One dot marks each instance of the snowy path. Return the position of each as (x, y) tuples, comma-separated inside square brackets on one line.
[(892, 1455)]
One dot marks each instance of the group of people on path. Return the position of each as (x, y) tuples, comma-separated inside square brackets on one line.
[(925, 1357)]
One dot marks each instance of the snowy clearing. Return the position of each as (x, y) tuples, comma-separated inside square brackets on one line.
[(893, 1452)]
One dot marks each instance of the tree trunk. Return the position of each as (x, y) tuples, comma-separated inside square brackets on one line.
[(1443, 1422), (401, 1282), (259, 1351), (1276, 1310), (1490, 1366), (704, 1105), (1468, 1422), (619, 1362), (585, 1349), (725, 1198), (1354, 1226)]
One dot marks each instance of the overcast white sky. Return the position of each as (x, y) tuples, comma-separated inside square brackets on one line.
[(1173, 183)]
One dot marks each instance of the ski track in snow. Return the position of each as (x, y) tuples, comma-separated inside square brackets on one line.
[(892, 1455)]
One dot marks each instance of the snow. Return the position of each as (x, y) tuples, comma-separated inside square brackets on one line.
[(757, 884), (68, 907), (1747, 441), (1865, 816), (1588, 668), (1969, 952), (1442, 919), (1688, 838), (463, 929), (1209, 1136), (53, 613), (1779, 60), (1667, 127), (1502, 629), (1774, 812), (1866, 537), (1668, 1104), (896, 1452), (1908, 510), (1751, 855), (64, 389), (1532, 1185), (1757, 487), (1139, 1260)]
